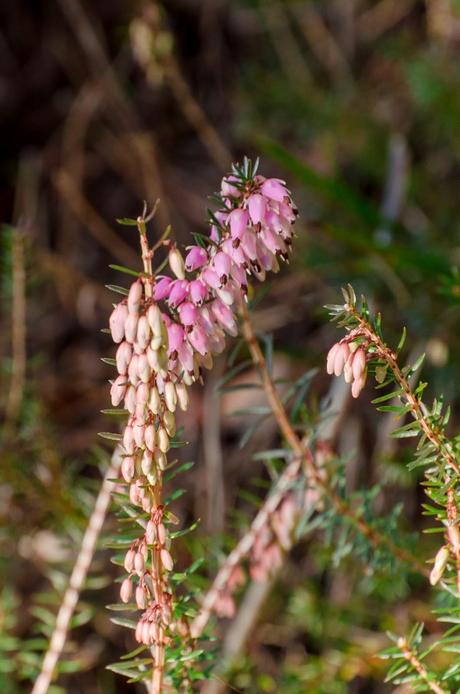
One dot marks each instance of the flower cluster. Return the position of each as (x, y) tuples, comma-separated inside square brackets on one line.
[(167, 329), (349, 357)]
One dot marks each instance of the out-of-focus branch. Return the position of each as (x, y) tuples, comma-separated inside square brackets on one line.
[(381, 17), (243, 547), (303, 457), (239, 630), (147, 33), (305, 454), (212, 451), (92, 221), (77, 578), (18, 328)]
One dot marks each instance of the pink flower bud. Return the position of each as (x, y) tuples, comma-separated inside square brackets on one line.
[(129, 560), (162, 288), (138, 435), (117, 322), (239, 276), (166, 559), (274, 189), (348, 370), (175, 337), (140, 598), (139, 563), (358, 363), (178, 293), (238, 220), (133, 371), (142, 394), (257, 206), (153, 633), (126, 590), (224, 317), (185, 356), (453, 533), (199, 340), (143, 368), (211, 278), (227, 189), (134, 296), (188, 313), (150, 437), (128, 440), (358, 385), (147, 462), (130, 399), (131, 327), (118, 390), (161, 533), (123, 357), (249, 246), (196, 258), (150, 532), (222, 265), (198, 292), (134, 494), (234, 250), (341, 357), (272, 241), (128, 468)]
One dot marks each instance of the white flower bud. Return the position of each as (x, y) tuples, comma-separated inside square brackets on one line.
[(166, 559), (143, 332), (150, 437), (182, 396), (117, 322), (130, 399), (154, 400), (128, 468), (160, 459), (176, 263), (163, 440), (128, 440), (170, 422), (147, 462), (126, 590), (118, 390), (170, 396), (123, 357), (131, 327), (440, 563), (154, 319), (135, 296), (453, 534), (143, 368), (138, 433)]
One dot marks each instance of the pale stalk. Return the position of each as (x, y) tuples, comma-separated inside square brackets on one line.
[(77, 578)]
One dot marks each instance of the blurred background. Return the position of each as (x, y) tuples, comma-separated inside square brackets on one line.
[(108, 103)]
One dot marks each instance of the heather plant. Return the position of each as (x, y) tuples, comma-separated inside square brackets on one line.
[(167, 328)]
